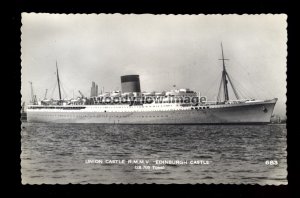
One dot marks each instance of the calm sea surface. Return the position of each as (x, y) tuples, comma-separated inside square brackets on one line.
[(59, 153)]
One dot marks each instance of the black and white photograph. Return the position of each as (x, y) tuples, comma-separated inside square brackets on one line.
[(144, 98)]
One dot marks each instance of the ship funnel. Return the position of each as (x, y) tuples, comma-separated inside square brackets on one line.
[(130, 83)]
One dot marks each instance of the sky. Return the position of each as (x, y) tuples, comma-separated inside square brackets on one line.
[(165, 50)]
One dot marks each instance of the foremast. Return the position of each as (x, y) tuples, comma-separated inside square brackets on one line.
[(224, 82)]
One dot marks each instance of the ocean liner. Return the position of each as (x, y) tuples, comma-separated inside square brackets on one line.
[(132, 106)]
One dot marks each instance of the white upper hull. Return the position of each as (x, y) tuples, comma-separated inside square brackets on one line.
[(165, 113)]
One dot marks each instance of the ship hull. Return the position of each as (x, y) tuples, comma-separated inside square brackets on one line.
[(256, 113)]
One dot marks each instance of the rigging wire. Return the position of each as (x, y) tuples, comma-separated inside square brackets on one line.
[(233, 87), (220, 90), (53, 89), (212, 84), (259, 90), (257, 86), (242, 89), (64, 91)]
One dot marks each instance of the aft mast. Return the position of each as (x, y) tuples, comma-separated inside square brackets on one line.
[(58, 82)]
